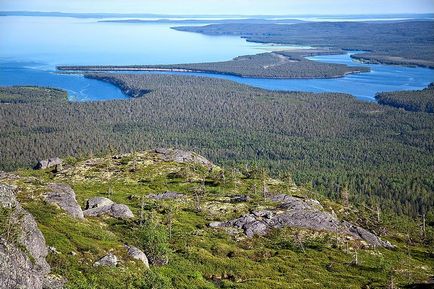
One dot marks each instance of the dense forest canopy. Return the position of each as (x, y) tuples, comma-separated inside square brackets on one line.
[(406, 42), (332, 141), (419, 100)]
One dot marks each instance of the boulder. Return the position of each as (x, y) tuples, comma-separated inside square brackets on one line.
[(63, 196), (166, 196), (121, 211), (97, 202), (45, 164), (109, 260), (137, 254), (180, 156), (23, 253), (99, 206)]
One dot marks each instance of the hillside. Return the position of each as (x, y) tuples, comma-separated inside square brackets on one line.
[(195, 225)]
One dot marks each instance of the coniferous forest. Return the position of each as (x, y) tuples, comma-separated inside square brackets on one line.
[(381, 155)]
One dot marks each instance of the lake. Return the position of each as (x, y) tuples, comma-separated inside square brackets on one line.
[(31, 47)]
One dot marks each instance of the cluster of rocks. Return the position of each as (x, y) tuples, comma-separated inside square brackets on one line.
[(299, 213), (99, 206), (180, 156), (63, 196), (22, 255)]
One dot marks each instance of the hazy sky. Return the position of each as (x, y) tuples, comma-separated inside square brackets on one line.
[(276, 7)]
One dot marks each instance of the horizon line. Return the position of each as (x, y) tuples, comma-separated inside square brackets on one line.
[(212, 15)]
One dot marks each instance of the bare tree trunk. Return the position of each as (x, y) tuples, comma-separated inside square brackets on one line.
[(142, 206)]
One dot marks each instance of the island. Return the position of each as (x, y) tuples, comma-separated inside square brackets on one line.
[(277, 65)]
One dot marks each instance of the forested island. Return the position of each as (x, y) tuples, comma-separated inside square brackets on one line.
[(279, 64), (330, 141), (400, 43)]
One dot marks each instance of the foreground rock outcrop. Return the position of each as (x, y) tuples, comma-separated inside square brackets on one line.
[(22, 248), (299, 213), (99, 206)]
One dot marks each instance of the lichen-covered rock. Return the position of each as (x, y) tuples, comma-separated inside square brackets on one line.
[(102, 206), (22, 249), (166, 196), (137, 254), (109, 260), (45, 164), (299, 213), (97, 202), (63, 196), (180, 156)]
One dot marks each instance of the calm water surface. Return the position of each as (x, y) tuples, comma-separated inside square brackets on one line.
[(31, 47)]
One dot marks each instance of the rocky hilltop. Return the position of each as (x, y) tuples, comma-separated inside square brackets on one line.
[(168, 218)]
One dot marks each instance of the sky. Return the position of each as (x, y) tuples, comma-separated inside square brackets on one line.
[(225, 7)]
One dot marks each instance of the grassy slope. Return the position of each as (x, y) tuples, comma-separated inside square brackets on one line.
[(203, 257)]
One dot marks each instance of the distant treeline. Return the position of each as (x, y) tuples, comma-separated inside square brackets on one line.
[(264, 65), (407, 42), (331, 141), (415, 100)]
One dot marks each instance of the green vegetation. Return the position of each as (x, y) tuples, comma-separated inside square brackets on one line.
[(382, 155), (203, 257), (419, 100), (278, 64), (406, 42)]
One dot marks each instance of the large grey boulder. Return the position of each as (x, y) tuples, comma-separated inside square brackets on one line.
[(22, 248), (64, 197), (45, 164), (109, 260), (99, 206), (299, 213), (137, 254), (180, 156), (98, 202)]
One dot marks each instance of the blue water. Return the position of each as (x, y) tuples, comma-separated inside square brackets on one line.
[(31, 47)]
